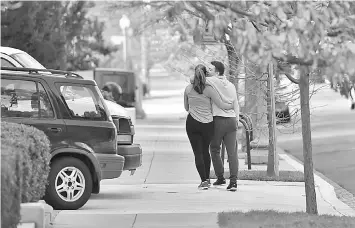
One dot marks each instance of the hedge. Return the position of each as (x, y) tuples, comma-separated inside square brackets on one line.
[(34, 147), (10, 187)]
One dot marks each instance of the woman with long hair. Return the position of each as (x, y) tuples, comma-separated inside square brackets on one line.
[(198, 99)]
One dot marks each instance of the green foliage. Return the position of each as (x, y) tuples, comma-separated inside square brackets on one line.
[(34, 147), (311, 33), (35, 28), (10, 186), (85, 35), (59, 35)]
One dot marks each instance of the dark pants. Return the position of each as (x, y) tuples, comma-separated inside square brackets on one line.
[(200, 135), (225, 129)]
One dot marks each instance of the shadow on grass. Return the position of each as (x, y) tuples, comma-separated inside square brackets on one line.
[(273, 219)]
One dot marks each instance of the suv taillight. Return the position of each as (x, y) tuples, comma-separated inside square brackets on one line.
[(124, 130)]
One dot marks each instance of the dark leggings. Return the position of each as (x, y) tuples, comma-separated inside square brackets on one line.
[(200, 135)]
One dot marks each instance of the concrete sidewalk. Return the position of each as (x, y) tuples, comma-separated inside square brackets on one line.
[(163, 192), (163, 94)]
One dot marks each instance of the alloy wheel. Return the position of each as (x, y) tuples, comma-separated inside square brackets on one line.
[(70, 184)]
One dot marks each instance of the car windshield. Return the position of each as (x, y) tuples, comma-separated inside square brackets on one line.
[(27, 61)]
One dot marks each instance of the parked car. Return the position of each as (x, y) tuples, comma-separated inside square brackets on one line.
[(282, 112), (284, 94), (73, 117), (12, 57), (132, 153), (83, 142)]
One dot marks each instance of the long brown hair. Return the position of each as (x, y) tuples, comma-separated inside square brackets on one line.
[(199, 82)]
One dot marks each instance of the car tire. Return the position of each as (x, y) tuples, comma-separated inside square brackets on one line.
[(69, 184)]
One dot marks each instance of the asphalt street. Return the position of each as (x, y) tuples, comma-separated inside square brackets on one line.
[(333, 138)]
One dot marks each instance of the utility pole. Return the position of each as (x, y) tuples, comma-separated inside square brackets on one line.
[(273, 157), (140, 113), (124, 24), (125, 59)]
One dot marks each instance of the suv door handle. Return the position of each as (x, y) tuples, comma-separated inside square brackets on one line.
[(55, 129)]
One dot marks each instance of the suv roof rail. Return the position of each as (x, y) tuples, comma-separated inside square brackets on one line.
[(34, 70)]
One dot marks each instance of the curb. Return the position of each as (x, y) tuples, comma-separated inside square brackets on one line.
[(38, 213), (33, 213), (26, 225), (329, 190), (325, 188)]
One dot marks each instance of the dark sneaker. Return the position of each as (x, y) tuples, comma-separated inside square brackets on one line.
[(220, 182), (209, 182), (232, 187), (203, 185)]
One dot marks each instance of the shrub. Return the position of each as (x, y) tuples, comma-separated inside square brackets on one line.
[(10, 187), (34, 147)]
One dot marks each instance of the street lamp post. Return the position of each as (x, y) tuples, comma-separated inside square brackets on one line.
[(124, 24)]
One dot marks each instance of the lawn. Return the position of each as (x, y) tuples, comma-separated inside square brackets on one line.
[(260, 175), (274, 219)]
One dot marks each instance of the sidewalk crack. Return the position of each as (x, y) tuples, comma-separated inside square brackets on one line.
[(151, 163), (330, 204), (134, 221)]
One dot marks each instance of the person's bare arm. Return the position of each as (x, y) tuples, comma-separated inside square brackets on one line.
[(213, 94), (186, 101)]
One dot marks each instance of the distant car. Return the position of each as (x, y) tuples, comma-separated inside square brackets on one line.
[(12, 57), (282, 112), (284, 94)]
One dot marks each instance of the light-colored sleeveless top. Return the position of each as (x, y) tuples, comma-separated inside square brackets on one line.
[(200, 106)]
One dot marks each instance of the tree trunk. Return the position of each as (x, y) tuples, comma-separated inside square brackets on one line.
[(149, 66), (140, 113), (233, 61), (311, 198), (273, 157), (255, 103)]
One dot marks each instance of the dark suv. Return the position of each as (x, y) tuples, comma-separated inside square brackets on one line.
[(72, 113)]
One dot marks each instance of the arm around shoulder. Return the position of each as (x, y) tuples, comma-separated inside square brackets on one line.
[(215, 97)]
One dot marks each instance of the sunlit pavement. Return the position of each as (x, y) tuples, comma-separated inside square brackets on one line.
[(163, 192)]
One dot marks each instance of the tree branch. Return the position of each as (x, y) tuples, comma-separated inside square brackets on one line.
[(238, 11), (289, 76), (224, 5), (256, 27), (290, 59), (193, 13), (203, 10)]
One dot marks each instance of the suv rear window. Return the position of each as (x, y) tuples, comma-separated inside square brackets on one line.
[(83, 102), (26, 99)]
